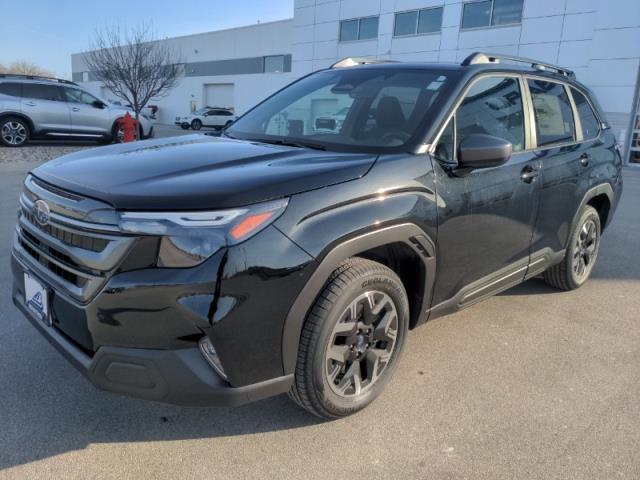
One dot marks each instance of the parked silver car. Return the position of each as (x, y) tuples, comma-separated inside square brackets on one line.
[(39, 107)]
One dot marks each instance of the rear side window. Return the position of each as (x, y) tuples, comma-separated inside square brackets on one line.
[(493, 106), (11, 89), (41, 92), (588, 120), (554, 117)]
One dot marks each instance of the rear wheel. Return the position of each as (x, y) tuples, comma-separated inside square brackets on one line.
[(14, 132), (196, 124), (581, 254), (351, 340)]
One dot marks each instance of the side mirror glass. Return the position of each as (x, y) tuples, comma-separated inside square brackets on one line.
[(483, 151), (98, 104)]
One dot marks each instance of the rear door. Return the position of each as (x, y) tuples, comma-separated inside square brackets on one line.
[(86, 116), (565, 158), (45, 106), (486, 216)]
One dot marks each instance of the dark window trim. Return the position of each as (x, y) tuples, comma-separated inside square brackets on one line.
[(418, 34), (358, 19), (491, 25)]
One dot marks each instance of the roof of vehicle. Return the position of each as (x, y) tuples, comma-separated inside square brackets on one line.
[(474, 63), (34, 79)]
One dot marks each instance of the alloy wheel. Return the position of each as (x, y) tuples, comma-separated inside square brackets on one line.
[(361, 344), (585, 249), (14, 133)]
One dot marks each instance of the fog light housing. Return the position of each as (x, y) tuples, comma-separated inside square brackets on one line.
[(211, 356)]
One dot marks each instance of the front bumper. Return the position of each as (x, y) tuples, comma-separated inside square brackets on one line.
[(176, 376)]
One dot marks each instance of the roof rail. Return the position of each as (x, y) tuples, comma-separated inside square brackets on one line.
[(478, 58), (36, 77), (353, 61)]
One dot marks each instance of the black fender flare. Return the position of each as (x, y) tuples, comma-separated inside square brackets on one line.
[(603, 188), (407, 233)]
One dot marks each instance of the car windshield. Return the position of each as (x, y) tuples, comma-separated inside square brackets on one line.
[(200, 111), (383, 109)]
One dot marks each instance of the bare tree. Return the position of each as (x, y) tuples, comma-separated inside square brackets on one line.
[(135, 66), (23, 67)]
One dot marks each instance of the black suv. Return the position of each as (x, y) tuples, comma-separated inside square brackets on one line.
[(280, 258)]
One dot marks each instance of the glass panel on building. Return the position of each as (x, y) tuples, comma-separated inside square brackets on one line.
[(476, 14), (348, 30), (406, 23), (368, 28), (430, 20), (506, 12), (274, 63)]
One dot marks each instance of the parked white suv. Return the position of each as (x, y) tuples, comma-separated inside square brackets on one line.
[(216, 117), (39, 107)]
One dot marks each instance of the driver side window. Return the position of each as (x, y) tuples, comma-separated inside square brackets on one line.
[(73, 95), (493, 106)]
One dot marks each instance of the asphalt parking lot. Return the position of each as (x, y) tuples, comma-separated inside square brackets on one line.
[(531, 384)]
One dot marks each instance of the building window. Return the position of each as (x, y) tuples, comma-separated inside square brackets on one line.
[(274, 64), (418, 22), (489, 13), (359, 29), (85, 76)]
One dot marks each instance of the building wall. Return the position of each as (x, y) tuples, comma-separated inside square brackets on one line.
[(598, 39), (232, 56)]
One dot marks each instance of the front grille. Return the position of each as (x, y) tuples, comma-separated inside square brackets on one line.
[(66, 275), (77, 257), (81, 241)]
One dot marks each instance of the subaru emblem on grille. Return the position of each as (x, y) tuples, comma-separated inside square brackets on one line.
[(41, 212)]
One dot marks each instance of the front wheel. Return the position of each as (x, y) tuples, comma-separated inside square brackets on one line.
[(351, 340), (581, 254)]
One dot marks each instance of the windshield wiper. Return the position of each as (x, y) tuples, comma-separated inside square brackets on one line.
[(288, 143)]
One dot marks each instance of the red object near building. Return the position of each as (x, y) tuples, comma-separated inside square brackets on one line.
[(128, 125)]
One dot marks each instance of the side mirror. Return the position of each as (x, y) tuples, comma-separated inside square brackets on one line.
[(98, 104), (483, 151)]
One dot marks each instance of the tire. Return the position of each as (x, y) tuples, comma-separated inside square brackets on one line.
[(185, 126), (581, 253), (328, 387), (116, 133), (14, 132), (196, 124)]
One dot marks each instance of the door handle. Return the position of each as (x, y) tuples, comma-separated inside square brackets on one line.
[(584, 159), (30, 104), (75, 109), (528, 174)]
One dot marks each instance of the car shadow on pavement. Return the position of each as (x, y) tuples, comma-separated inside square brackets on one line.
[(50, 409)]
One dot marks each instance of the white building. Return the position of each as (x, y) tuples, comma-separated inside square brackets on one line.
[(598, 39)]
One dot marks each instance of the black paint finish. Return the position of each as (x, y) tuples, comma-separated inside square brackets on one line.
[(466, 233)]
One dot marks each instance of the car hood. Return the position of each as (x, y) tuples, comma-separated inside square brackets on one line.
[(198, 172)]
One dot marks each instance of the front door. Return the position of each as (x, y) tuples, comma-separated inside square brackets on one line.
[(87, 117), (486, 216)]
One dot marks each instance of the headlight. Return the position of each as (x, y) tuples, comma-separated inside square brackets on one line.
[(189, 238)]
